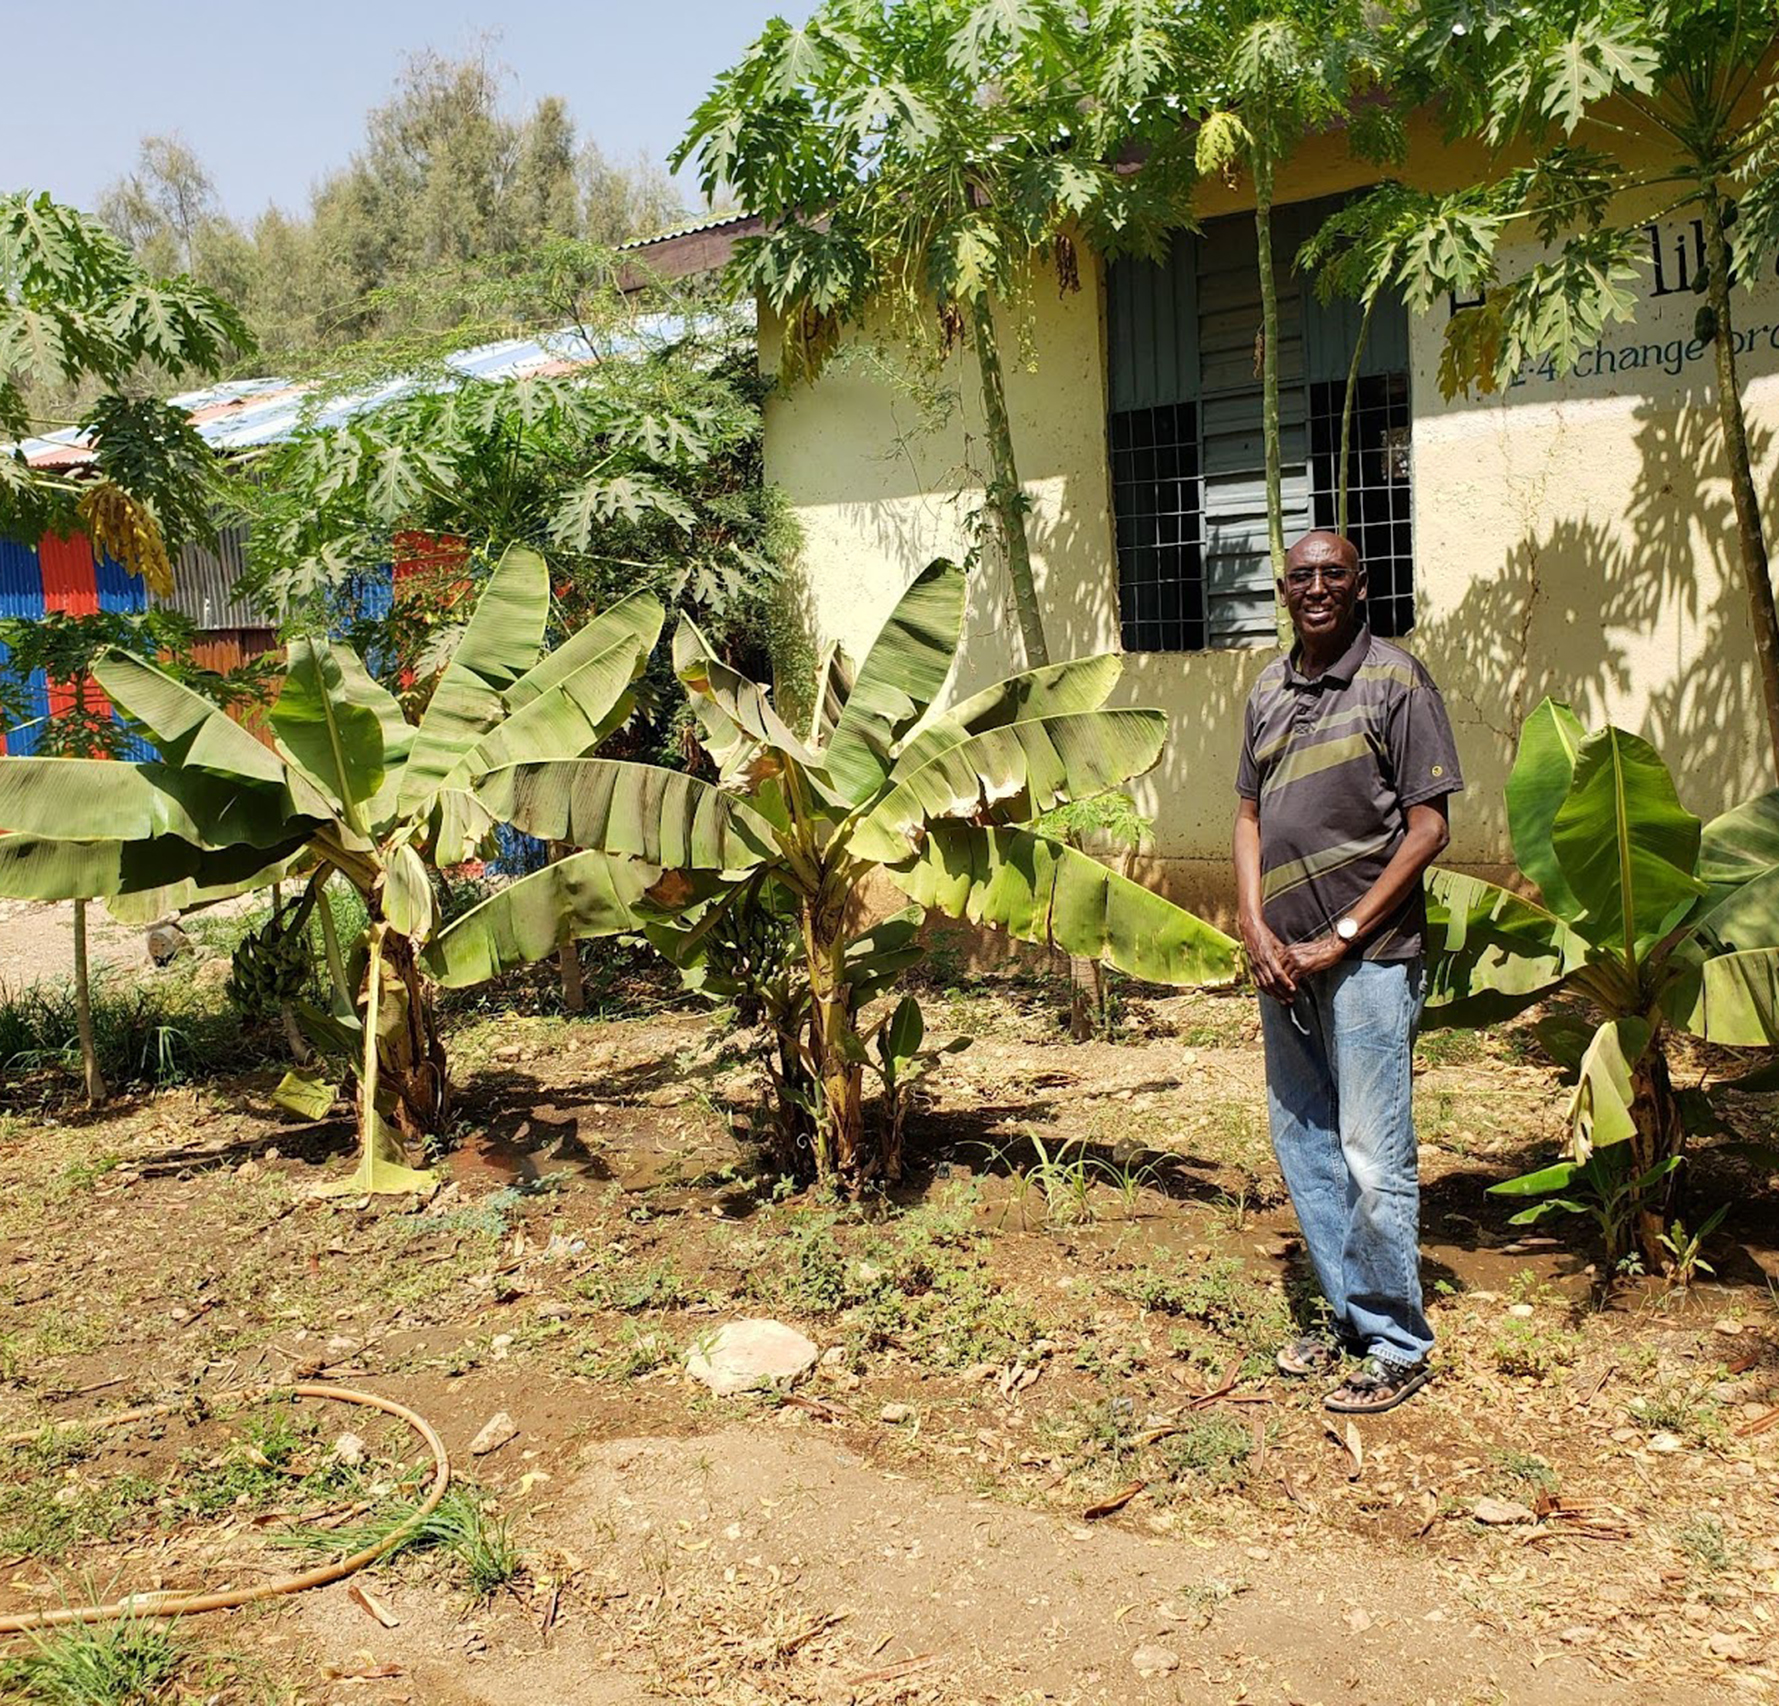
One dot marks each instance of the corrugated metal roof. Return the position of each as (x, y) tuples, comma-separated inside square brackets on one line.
[(245, 414), (715, 223)]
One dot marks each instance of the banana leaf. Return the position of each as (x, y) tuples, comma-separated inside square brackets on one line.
[(1600, 1107), (900, 677), (1625, 844), (1059, 689), (742, 731), (1743, 843), (1036, 763), (160, 868), (1543, 772), (1043, 891), (408, 901), (635, 620), (586, 894), (639, 811), (1490, 952), (1731, 999), (499, 646), (334, 723), (190, 730), (100, 799)]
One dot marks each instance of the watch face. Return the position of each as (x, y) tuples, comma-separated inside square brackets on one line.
[(1346, 929)]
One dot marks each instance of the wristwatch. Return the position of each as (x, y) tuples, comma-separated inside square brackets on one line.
[(1348, 929)]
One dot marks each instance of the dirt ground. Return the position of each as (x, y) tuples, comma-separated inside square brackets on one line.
[(1044, 1456)]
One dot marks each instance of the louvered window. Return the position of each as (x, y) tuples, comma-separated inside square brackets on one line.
[(1188, 458)]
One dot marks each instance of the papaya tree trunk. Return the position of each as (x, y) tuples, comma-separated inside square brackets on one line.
[(1346, 416), (83, 1014), (1269, 382), (1750, 535), (840, 1157), (1005, 495)]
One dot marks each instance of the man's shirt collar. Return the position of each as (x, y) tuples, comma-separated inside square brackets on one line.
[(1343, 669)]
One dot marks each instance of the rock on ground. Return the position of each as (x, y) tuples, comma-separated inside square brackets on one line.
[(745, 1355)]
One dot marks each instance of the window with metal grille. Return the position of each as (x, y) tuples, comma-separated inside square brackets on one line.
[(1155, 494), (1380, 515), (1186, 449)]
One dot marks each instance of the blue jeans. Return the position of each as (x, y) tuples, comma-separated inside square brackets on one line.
[(1337, 1091)]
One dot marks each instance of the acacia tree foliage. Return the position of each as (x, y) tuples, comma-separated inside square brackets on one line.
[(447, 179), (1629, 112), (1262, 75), (915, 160)]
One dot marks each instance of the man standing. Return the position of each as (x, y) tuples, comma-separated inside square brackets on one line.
[(1347, 759)]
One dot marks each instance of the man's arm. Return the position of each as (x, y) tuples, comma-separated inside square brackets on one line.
[(1428, 833), (1266, 954)]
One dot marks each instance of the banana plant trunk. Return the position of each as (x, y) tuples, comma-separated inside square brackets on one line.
[(1656, 1136), (96, 1091), (1005, 496), (1750, 534), (839, 1059)]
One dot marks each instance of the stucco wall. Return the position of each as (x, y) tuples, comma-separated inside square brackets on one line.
[(1572, 537)]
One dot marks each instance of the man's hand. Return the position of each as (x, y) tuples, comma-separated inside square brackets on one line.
[(1304, 959), (1270, 960)]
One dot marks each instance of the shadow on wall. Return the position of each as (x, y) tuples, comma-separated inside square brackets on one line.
[(1647, 606)]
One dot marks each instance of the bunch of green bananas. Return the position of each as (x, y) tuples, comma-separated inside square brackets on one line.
[(271, 964)]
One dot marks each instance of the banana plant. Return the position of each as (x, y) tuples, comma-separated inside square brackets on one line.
[(1657, 923), (883, 781), (348, 785)]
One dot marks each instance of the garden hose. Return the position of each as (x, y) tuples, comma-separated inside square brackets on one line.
[(172, 1603)]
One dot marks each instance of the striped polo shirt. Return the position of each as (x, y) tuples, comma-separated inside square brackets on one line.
[(1334, 763)]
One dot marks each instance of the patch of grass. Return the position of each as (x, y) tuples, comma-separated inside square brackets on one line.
[(1534, 1348), (47, 1506), (920, 1283), (1245, 1312), (476, 1539), (1210, 1449), (1678, 1407), (1219, 1024), (1515, 1472), (158, 1032), (132, 1662), (1454, 1046), (1703, 1540), (617, 1283), (637, 1351)]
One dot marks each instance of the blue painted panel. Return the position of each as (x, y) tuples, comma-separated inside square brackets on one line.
[(21, 580), (119, 590)]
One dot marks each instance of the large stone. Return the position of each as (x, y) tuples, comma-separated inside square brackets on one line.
[(745, 1355)]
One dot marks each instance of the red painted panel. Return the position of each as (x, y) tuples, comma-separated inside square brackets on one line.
[(417, 553), (70, 581)]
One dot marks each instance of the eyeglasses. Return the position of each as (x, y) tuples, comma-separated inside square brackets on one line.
[(1333, 576)]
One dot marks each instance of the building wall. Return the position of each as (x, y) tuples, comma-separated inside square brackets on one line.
[(1572, 537)]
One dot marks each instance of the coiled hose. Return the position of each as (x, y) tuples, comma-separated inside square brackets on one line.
[(171, 1603)]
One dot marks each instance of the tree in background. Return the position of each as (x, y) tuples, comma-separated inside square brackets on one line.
[(445, 182), (80, 318), (1630, 113), (918, 161), (1261, 76)]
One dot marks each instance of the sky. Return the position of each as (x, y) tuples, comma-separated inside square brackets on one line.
[(271, 98)]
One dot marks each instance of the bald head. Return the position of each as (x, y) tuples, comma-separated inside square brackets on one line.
[(1322, 546)]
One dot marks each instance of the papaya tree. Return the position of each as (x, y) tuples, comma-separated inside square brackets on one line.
[(1604, 118), (922, 163), (348, 786), (938, 801), (1655, 923)]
